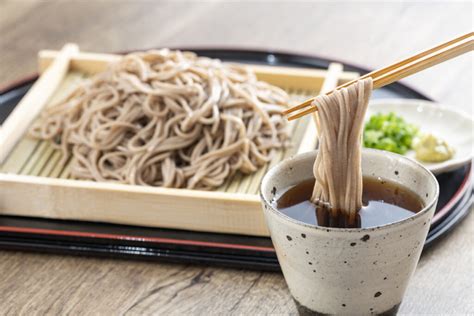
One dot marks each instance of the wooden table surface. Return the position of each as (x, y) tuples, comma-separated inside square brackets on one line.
[(371, 34)]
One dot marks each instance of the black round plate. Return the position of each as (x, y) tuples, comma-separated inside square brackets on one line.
[(77, 237)]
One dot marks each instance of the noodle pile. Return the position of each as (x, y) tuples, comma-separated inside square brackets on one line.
[(167, 118), (337, 168)]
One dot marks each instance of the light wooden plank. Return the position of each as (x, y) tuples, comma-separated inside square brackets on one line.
[(42, 160), (34, 158), (132, 205), (51, 165), (285, 77), (19, 155), (31, 105), (65, 173), (58, 167), (88, 63), (235, 183)]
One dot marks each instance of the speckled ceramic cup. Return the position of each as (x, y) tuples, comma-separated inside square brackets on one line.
[(349, 271)]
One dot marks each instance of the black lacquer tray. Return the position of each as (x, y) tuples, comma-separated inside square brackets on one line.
[(99, 239)]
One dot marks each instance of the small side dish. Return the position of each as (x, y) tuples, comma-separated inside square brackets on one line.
[(438, 137), (392, 133)]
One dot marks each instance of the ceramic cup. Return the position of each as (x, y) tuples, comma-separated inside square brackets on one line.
[(357, 271)]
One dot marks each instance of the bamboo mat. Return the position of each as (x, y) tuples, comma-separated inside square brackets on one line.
[(40, 158)]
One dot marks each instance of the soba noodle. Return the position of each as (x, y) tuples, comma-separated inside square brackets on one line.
[(167, 118), (337, 168)]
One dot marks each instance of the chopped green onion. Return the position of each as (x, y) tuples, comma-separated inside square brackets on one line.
[(389, 132)]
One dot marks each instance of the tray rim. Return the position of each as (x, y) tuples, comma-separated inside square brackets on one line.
[(24, 80), (440, 214), (202, 194)]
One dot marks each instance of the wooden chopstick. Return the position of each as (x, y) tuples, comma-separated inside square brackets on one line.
[(401, 69), (381, 71)]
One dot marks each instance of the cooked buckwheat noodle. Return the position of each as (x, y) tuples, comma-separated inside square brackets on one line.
[(337, 168), (167, 118)]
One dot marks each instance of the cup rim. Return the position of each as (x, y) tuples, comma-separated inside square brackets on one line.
[(416, 164)]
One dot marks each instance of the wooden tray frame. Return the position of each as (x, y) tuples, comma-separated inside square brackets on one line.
[(210, 211)]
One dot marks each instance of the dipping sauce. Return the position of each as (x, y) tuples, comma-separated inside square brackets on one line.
[(384, 202)]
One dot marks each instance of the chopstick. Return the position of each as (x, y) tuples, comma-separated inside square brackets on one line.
[(399, 70)]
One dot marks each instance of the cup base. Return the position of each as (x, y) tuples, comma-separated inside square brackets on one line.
[(305, 311)]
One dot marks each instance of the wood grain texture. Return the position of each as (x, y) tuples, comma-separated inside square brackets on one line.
[(380, 33)]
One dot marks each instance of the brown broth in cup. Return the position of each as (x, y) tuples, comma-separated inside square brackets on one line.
[(384, 202)]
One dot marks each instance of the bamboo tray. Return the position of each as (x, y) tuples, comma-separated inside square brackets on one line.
[(33, 183)]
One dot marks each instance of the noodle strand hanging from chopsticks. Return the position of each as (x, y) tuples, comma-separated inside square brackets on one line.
[(337, 168)]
